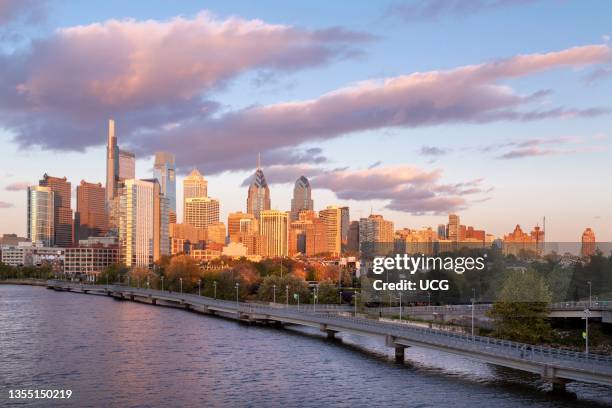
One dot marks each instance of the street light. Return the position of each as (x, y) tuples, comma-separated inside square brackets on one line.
[(287, 294), (181, 284), (128, 280), (400, 300), (162, 281), (428, 298), (473, 301), (590, 287), (215, 289), (273, 293), (355, 302), (237, 300), (199, 287), (587, 312)]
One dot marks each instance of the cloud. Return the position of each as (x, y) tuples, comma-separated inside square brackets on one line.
[(4, 204), (146, 74), (433, 151), (468, 94), (28, 11), (424, 10), (544, 147), (18, 186), (403, 188)]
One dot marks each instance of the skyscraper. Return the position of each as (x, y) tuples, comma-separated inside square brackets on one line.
[(62, 212), (239, 222), (332, 218), (273, 225), (201, 211), (41, 204), (301, 197), (376, 235), (112, 164), (588, 243), (143, 223), (127, 166), (258, 199), (90, 219), (194, 186), (164, 171), (453, 228)]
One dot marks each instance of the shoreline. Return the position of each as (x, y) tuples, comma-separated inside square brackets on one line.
[(27, 282)]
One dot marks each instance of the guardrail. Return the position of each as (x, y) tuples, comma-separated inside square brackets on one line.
[(593, 363)]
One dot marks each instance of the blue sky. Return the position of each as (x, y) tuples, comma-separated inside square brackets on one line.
[(559, 163)]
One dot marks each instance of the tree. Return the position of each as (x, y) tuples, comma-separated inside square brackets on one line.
[(296, 286), (521, 310), (328, 293), (182, 267)]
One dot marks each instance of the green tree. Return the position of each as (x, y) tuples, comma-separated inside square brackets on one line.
[(296, 286), (328, 293), (521, 310)]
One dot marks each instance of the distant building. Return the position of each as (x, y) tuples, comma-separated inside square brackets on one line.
[(239, 222), (90, 219), (91, 257), (441, 231), (453, 228), (34, 254), (143, 226), (127, 166), (274, 225), (307, 235), (353, 237), (216, 233), (302, 197), (62, 211), (165, 172), (11, 239), (519, 242), (185, 237), (201, 211), (332, 218), (41, 215), (194, 185), (258, 198), (589, 244), (376, 235)]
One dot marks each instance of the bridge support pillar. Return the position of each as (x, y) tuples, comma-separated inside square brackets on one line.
[(331, 334), (399, 353), (132, 298), (558, 386), (153, 301)]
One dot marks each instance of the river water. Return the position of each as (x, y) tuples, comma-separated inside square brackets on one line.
[(124, 354)]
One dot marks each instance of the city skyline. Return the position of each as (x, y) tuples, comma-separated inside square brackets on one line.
[(497, 158)]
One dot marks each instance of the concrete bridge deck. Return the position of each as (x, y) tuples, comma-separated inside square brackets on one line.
[(555, 365)]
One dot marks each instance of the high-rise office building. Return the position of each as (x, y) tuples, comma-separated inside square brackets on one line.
[(441, 231), (201, 211), (41, 215), (353, 237), (112, 163), (302, 199), (195, 185), (589, 245), (239, 223), (90, 219), (273, 225), (454, 228), (62, 210), (307, 235), (258, 198), (165, 172), (143, 223), (120, 166), (332, 218), (345, 222), (376, 235)]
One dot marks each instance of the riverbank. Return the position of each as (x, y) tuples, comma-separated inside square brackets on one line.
[(30, 282)]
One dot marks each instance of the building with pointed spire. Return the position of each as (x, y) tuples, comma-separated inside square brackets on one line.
[(302, 198), (589, 244), (258, 199), (195, 185)]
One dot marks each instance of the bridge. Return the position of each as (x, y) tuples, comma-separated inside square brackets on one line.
[(554, 365), (600, 310)]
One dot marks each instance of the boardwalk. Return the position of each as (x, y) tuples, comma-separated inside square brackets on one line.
[(555, 365)]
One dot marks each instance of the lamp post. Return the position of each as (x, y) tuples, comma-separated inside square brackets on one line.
[(590, 297), (473, 301), (587, 312), (428, 298), (128, 280), (273, 293), (162, 282), (287, 294), (355, 302), (215, 289), (237, 300), (148, 282), (181, 284), (199, 287), (314, 300), (400, 300)]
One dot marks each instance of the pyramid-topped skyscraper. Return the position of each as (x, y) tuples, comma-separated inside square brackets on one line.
[(258, 199)]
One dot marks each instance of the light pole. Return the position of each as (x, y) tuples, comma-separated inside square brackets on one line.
[(273, 293), (128, 280), (314, 300), (162, 282), (181, 284), (355, 302), (473, 301), (587, 312), (199, 287), (400, 299), (590, 288), (287, 294), (147, 281), (298, 300), (237, 301), (215, 289), (428, 298)]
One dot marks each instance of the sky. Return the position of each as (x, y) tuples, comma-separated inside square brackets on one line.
[(496, 110)]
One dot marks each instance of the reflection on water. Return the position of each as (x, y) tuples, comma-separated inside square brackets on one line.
[(114, 353)]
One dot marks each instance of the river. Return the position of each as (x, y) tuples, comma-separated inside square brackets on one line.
[(119, 353)]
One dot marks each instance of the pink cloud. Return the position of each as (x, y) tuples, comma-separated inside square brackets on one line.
[(18, 186)]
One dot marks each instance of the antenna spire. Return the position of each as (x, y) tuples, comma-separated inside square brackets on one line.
[(259, 160)]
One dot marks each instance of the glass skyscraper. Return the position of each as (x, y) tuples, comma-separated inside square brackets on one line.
[(302, 199), (165, 173)]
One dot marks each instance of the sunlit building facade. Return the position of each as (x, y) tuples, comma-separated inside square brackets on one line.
[(589, 243), (62, 211), (90, 219), (165, 172), (302, 197), (201, 211), (258, 198), (41, 219), (274, 226)]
